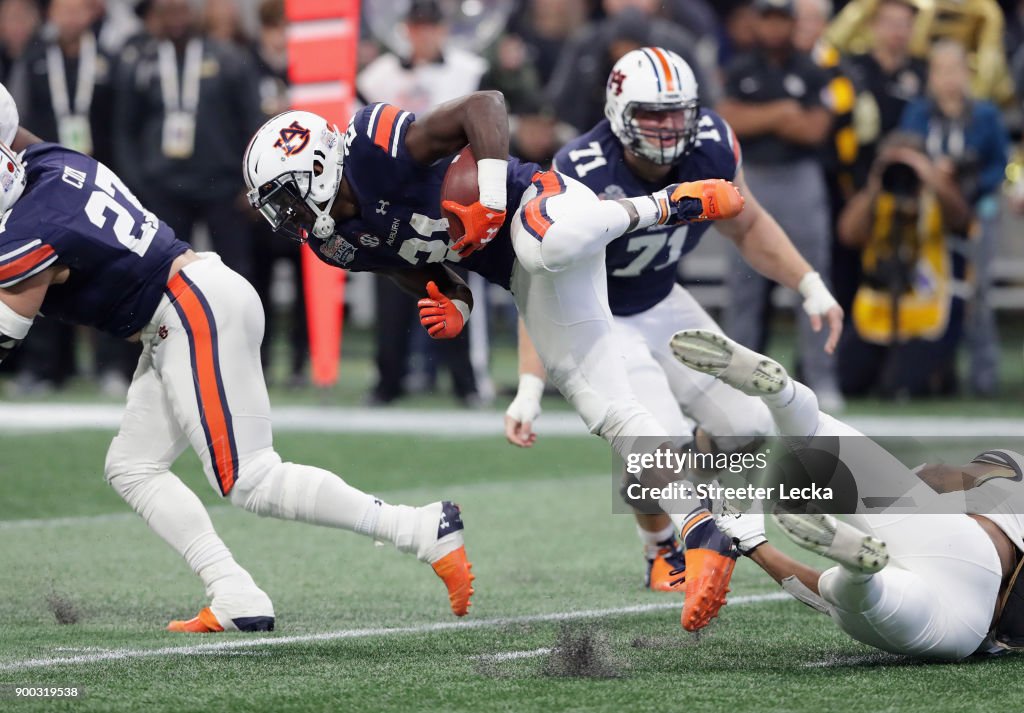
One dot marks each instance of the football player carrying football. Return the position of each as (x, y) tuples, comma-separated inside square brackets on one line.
[(77, 245), (656, 132), (911, 581), (371, 200)]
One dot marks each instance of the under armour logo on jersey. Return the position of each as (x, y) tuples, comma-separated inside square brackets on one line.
[(162, 332), (383, 209), (615, 81), (293, 139)]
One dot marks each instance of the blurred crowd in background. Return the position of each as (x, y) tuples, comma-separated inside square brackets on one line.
[(879, 133)]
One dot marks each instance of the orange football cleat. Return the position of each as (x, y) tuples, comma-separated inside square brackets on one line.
[(719, 200), (456, 571), (666, 572), (255, 611), (710, 560), (203, 623), (441, 543)]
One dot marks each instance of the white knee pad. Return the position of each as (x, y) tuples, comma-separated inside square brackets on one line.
[(626, 418), (262, 486), (126, 473), (529, 251), (565, 244)]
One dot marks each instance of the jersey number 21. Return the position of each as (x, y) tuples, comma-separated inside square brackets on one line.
[(113, 199)]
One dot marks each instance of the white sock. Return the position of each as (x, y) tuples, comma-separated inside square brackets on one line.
[(291, 491), (852, 591), (681, 522), (651, 540), (782, 399), (648, 209), (397, 524), (225, 576), (176, 514), (795, 410)]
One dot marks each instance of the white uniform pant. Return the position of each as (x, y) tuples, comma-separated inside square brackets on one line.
[(664, 385), (937, 595), (560, 287), (199, 381)]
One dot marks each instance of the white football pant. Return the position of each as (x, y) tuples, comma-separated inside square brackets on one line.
[(937, 595), (560, 287), (200, 382), (675, 394)]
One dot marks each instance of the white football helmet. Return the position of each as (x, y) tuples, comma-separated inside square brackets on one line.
[(12, 178), (8, 116), (652, 79), (292, 168)]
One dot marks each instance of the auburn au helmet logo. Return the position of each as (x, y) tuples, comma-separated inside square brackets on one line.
[(615, 81), (293, 139)]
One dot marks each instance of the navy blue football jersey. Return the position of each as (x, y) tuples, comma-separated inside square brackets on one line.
[(642, 264), (76, 212), (400, 224)]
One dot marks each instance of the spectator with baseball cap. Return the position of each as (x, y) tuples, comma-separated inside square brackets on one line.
[(774, 103)]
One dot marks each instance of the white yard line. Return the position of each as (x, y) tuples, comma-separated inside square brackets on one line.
[(47, 522), (511, 655), (51, 417), (254, 642)]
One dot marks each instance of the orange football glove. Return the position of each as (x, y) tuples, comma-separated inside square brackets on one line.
[(443, 318), (710, 199), (480, 223)]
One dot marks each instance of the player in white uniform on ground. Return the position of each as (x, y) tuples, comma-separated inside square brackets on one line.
[(77, 245), (916, 583), (656, 132)]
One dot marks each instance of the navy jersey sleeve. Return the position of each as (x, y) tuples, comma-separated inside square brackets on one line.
[(376, 157), (378, 132), (22, 251)]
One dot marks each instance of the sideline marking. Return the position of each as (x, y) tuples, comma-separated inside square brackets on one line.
[(50, 417), (255, 643)]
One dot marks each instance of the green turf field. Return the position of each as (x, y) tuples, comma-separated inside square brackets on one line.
[(363, 628)]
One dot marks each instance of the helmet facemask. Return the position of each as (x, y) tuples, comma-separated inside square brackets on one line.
[(663, 145), (296, 202), (284, 203)]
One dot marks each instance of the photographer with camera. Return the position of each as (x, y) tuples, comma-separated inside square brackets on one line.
[(907, 313), (969, 133)]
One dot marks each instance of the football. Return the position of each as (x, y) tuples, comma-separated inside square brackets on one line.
[(460, 185)]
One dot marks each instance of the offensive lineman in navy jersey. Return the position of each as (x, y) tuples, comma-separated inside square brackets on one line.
[(371, 200), (77, 245), (657, 133)]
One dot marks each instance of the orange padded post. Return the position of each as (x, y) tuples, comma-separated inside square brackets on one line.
[(322, 41)]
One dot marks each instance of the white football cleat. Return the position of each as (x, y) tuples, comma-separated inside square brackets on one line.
[(840, 541), (440, 543), (744, 369)]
